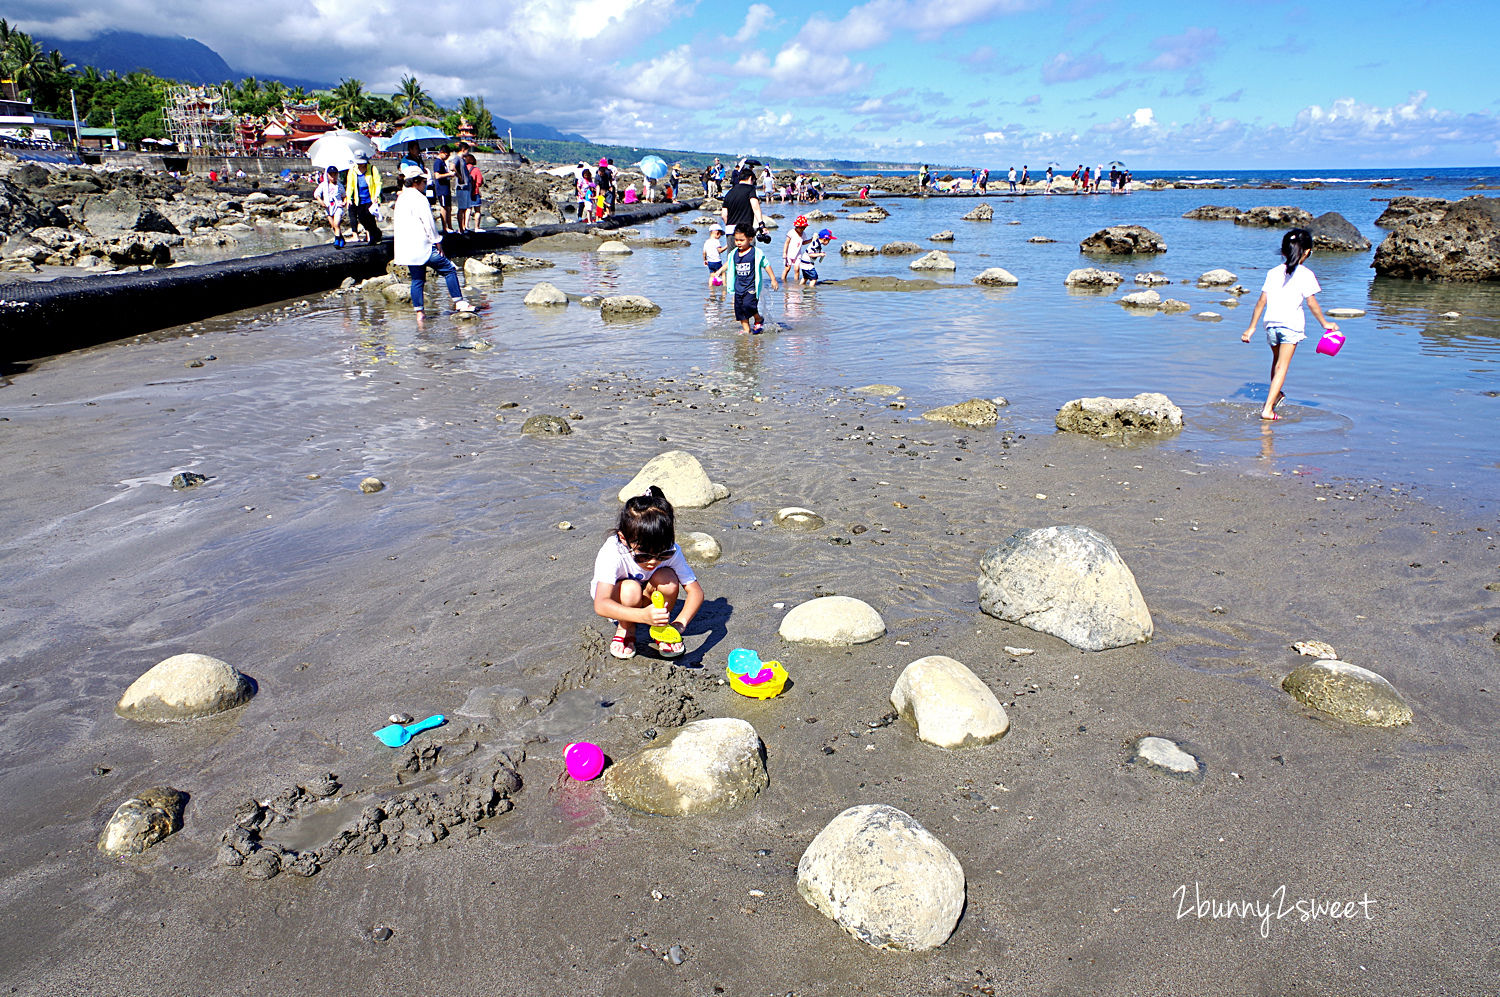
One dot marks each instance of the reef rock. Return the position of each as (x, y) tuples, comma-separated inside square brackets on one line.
[(545, 295), (996, 277), (1123, 240), (1214, 213), (900, 248), (935, 260), (1141, 299), (1402, 208), (1275, 217), (857, 249), (1093, 277), (1147, 412), (977, 413), (627, 306), (702, 767), (1459, 243), (1332, 232), (980, 213)]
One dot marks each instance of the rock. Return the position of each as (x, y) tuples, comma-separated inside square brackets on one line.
[(1141, 299), (476, 267), (1040, 240), (1208, 316), (1314, 649), (1451, 315), (1275, 217), (371, 485), (1214, 213), (1068, 581), (978, 413), (679, 475), (857, 249), (948, 704), (702, 767), (878, 390), (492, 701), (1153, 279), (1168, 757), (883, 878), (944, 236), (900, 248), (1344, 312), (379, 283), (996, 277), (627, 306), (120, 211), (1459, 243), (1147, 412), (1172, 306), (836, 620), (546, 425), (1332, 232), (142, 821), (1093, 277), (1348, 692), (185, 687), (188, 479), (545, 295), (519, 197), (797, 518), (1402, 208), (935, 260), (858, 202), (1216, 278), (615, 248), (700, 547), (980, 213), (505, 262), (1124, 240), (397, 293)]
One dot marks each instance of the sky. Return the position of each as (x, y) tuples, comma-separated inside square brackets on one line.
[(984, 83)]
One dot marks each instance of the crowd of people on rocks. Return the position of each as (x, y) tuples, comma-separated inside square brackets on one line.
[(1084, 180)]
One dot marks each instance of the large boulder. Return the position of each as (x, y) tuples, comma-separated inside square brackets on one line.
[(1141, 300), (976, 413), (1275, 217), (22, 210), (627, 306), (1068, 581), (1148, 412), (545, 295), (948, 704), (1402, 208), (185, 687), (519, 197), (884, 878), (1461, 242), (1218, 277), (935, 260), (1214, 213), (835, 620), (996, 277), (852, 248), (900, 248), (142, 821), (1093, 277), (980, 213), (1123, 240), (1332, 232), (121, 211), (1353, 694), (703, 767), (680, 476)]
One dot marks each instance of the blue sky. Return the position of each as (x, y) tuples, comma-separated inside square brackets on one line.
[(984, 82)]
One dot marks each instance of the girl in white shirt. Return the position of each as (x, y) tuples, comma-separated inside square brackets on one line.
[(1281, 298), (640, 558)]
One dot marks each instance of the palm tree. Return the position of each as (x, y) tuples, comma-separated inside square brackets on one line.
[(275, 94), (298, 96), (347, 100), (24, 60), (411, 98), (249, 86), (479, 117)]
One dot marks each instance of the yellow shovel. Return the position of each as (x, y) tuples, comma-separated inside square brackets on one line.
[(667, 634)]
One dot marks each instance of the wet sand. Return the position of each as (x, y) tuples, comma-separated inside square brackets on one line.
[(345, 607)]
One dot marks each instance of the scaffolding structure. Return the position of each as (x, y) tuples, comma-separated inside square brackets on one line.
[(198, 119)]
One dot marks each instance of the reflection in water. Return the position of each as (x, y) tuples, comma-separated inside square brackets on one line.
[(1474, 334)]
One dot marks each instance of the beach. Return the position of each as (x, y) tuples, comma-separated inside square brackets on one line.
[(1085, 872)]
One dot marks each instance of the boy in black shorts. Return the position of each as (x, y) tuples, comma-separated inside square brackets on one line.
[(748, 264)]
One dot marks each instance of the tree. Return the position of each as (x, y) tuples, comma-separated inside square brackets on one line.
[(411, 98), (298, 96), (275, 93), (346, 101), (24, 61)]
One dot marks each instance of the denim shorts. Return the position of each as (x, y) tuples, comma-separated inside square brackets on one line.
[(1278, 335)]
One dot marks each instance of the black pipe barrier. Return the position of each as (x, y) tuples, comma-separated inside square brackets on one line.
[(43, 318)]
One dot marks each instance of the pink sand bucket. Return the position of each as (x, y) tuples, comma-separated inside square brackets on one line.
[(1331, 343), (584, 760)]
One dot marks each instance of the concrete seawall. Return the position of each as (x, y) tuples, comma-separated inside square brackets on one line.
[(44, 318)]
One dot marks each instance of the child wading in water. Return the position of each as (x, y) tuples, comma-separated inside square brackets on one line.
[(713, 252), (1281, 298), (640, 558), (748, 264)]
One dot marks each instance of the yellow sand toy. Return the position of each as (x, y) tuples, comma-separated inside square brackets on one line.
[(749, 676), (667, 634)]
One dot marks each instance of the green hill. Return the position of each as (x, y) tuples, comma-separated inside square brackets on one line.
[(548, 151)]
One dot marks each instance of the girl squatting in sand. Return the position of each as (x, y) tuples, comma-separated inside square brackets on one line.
[(1281, 298), (640, 558)]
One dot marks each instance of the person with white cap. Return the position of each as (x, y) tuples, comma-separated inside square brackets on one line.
[(713, 253), (418, 245), (363, 194)]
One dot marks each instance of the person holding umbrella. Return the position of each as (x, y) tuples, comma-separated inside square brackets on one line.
[(418, 245)]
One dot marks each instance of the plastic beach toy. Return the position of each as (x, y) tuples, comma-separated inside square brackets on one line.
[(1331, 343), (584, 759), (396, 735), (669, 634), (749, 676)]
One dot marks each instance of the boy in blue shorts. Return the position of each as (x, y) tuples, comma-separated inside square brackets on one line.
[(811, 254), (748, 265)]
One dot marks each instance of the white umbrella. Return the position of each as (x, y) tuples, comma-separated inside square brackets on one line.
[(340, 149)]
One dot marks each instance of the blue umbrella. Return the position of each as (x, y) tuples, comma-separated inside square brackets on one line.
[(424, 135), (654, 167)]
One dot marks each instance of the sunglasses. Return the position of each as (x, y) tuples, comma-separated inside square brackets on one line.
[(641, 558)]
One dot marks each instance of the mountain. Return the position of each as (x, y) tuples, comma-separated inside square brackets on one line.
[(527, 129)]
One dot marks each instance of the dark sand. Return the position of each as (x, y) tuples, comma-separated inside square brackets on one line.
[(345, 607)]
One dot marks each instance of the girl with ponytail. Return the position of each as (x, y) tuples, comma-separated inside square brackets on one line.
[(1281, 297), (641, 559)]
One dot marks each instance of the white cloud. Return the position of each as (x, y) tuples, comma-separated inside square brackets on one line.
[(757, 19), (1064, 67), (1143, 117), (1193, 46), (993, 138)]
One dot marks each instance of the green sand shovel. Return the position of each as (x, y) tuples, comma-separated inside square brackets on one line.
[(396, 735)]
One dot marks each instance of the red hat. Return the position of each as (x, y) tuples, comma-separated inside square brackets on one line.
[(801, 222)]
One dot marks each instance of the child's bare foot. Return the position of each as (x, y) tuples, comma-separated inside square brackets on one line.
[(622, 645)]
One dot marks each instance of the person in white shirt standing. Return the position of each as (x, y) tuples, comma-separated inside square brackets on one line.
[(1281, 297), (418, 245)]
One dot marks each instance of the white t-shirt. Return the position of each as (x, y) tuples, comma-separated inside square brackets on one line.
[(614, 563), (416, 235), (713, 248), (1284, 296)]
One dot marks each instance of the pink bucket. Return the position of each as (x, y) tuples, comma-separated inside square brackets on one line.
[(584, 760), (1331, 343)]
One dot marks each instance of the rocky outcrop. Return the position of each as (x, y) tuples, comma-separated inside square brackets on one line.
[(1214, 213), (1093, 277), (1141, 299), (22, 211), (883, 878), (1402, 208), (680, 476), (976, 413), (900, 248), (835, 620), (980, 213), (702, 767), (948, 704), (1148, 412), (1459, 243), (857, 249), (1123, 240), (1068, 581), (519, 197), (1275, 217), (628, 306), (184, 687), (1332, 232), (121, 211)]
